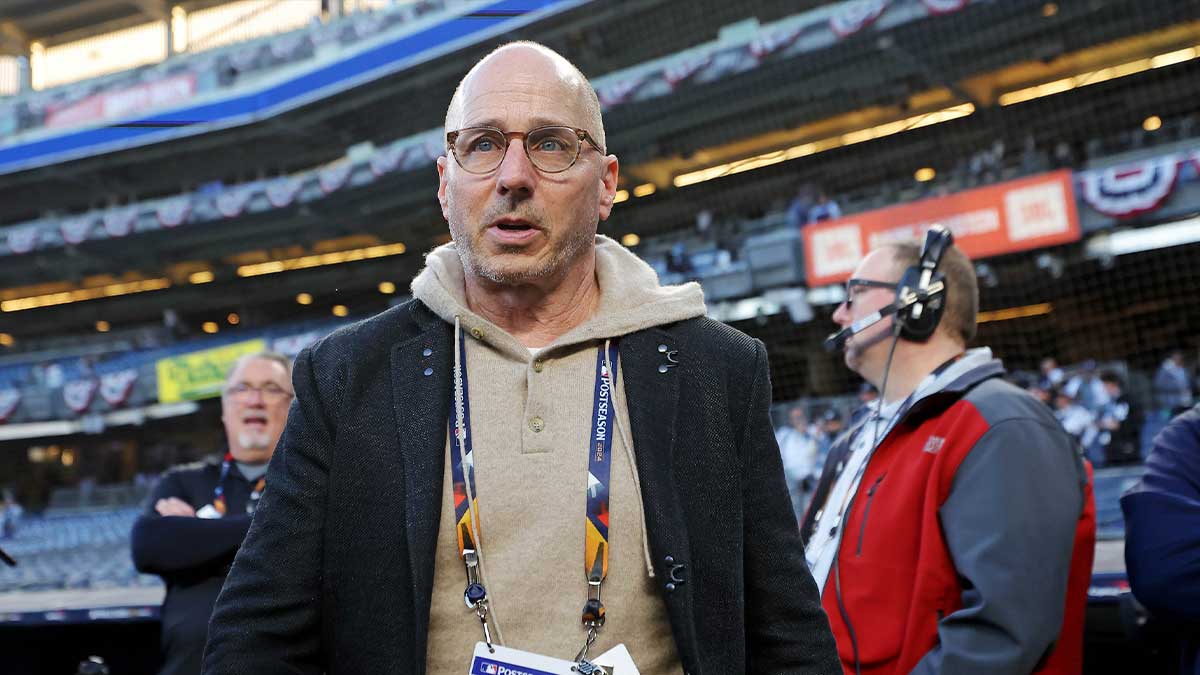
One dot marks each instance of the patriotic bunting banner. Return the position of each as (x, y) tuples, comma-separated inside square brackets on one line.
[(9, 400), (765, 45), (619, 92), (282, 192), (116, 387), (943, 6), (387, 159), (233, 201), (174, 212), (332, 178), (852, 17), (78, 394), (23, 239), (119, 222), (76, 230), (1130, 189), (681, 71)]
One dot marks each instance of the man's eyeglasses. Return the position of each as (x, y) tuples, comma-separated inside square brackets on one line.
[(244, 392), (552, 149), (857, 286)]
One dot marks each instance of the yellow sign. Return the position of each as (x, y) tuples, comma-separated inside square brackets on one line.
[(197, 375)]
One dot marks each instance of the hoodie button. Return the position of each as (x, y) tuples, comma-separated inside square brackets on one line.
[(537, 424), (476, 333), (538, 365)]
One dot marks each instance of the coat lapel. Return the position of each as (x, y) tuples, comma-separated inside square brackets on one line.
[(421, 384), (652, 398)]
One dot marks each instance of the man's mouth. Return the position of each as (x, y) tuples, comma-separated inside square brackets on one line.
[(255, 421), (512, 230)]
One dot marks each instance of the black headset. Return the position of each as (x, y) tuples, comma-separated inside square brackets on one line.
[(921, 292)]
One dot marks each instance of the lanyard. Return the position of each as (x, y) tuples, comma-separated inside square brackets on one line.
[(219, 491), (466, 500)]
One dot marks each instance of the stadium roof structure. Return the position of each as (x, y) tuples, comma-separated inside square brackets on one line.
[(23, 22)]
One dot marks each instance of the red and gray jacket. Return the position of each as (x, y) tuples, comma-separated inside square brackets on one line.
[(968, 545)]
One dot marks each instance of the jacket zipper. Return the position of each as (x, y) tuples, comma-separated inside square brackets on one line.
[(862, 530)]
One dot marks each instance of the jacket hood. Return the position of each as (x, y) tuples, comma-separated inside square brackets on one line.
[(631, 297)]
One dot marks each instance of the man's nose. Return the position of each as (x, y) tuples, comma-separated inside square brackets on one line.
[(841, 315), (516, 175)]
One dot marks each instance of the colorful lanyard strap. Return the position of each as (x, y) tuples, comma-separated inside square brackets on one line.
[(466, 500), (219, 491)]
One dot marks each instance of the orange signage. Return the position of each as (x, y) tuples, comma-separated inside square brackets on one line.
[(1018, 215)]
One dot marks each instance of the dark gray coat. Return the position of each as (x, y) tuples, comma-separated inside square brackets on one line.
[(336, 573)]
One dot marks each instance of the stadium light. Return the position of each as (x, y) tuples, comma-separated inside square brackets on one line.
[(631, 240), (321, 259), (1152, 123), (6, 340), (233, 319), (812, 148), (1178, 233), (387, 287), (102, 326), (304, 299), (210, 327), (622, 195), (925, 174), (1097, 76), (201, 277), (81, 294), (1015, 312), (341, 310), (644, 190)]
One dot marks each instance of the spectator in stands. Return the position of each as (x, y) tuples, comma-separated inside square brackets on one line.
[(867, 395), (952, 531), (358, 559), (1119, 426), (10, 514), (1162, 533), (1077, 420), (824, 209), (1051, 376), (1172, 386), (798, 209), (198, 514), (1086, 389), (798, 447)]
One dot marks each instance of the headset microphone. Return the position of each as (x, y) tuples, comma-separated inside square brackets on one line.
[(837, 341)]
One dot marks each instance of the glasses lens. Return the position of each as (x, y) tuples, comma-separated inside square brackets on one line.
[(479, 150), (552, 149)]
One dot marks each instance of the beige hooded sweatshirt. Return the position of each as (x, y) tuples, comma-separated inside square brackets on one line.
[(530, 417)]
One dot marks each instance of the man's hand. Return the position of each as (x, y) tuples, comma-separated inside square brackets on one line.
[(172, 506)]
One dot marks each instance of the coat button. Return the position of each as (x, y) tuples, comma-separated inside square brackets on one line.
[(670, 587), (537, 424), (428, 372), (538, 365), (427, 352), (476, 333), (670, 560), (663, 368)]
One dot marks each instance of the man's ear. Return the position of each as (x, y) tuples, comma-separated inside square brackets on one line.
[(441, 193), (608, 185)]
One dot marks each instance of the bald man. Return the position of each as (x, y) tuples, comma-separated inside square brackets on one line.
[(545, 462)]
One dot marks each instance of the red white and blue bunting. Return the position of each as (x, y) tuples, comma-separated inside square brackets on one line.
[(9, 400), (119, 222), (387, 159), (765, 45), (232, 202), (76, 230), (282, 191), (174, 212), (852, 17), (944, 6), (332, 178), (23, 239), (681, 71), (1130, 189), (78, 394), (116, 387)]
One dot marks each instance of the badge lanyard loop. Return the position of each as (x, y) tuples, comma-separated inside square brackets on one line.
[(466, 506), (596, 543), (466, 501), (219, 491)]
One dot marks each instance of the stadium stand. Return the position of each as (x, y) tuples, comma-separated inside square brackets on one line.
[(286, 188)]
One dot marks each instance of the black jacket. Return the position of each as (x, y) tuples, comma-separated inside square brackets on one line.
[(192, 555), (336, 573)]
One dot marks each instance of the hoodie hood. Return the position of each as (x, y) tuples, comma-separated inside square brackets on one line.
[(631, 297)]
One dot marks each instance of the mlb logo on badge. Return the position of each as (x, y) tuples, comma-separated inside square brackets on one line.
[(491, 669)]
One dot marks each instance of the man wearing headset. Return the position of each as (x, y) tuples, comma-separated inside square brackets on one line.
[(952, 529)]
